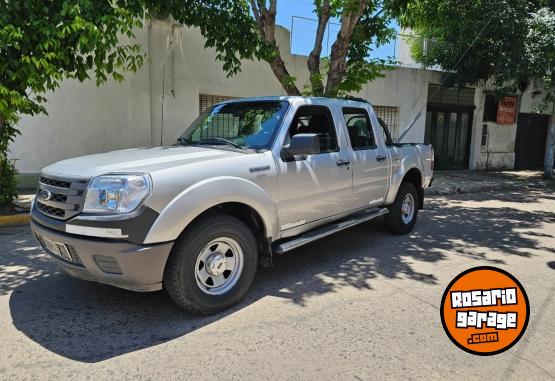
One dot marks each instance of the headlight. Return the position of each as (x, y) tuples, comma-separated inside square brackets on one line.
[(116, 193)]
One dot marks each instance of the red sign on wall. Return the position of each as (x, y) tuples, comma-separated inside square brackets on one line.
[(506, 110)]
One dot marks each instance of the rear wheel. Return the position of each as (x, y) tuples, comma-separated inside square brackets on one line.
[(404, 211), (212, 265)]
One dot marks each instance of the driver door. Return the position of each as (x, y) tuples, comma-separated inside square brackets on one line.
[(317, 186)]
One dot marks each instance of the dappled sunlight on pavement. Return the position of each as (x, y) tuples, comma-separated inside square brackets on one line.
[(353, 292)]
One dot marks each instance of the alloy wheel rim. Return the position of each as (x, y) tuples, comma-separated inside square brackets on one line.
[(407, 208), (219, 266)]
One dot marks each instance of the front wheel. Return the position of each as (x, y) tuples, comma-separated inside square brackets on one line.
[(212, 265), (404, 210)]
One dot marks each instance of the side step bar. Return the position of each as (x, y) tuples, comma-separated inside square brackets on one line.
[(326, 230)]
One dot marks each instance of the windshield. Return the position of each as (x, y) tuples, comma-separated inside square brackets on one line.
[(239, 124)]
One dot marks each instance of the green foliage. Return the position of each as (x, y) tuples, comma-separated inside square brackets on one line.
[(8, 173), (540, 50), (505, 45), (372, 29), (8, 180), (509, 42), (43, 43)]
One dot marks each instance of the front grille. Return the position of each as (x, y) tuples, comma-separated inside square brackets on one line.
[(55, 183), (51, 211), (60, 198)]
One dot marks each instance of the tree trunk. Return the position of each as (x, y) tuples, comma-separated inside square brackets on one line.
[(266, 21), (550, 147), (340, 48), (283, 76), (314, 58)]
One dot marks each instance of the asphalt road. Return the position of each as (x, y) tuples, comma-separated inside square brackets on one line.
[(362, 304)]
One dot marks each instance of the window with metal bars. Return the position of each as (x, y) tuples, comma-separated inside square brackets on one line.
[(206, 101), (390, 115)]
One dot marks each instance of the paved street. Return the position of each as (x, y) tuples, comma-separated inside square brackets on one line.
[(362, 304)]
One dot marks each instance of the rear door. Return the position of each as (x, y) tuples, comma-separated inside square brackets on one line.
[(371, 161), (314, 187)]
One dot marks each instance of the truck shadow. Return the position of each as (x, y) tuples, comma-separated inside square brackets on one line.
[(89, 322)]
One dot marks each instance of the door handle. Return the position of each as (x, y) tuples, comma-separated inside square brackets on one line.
[(381, 158), (343, 163)]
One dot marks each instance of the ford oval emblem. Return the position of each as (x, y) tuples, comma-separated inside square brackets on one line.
[(45, 194)]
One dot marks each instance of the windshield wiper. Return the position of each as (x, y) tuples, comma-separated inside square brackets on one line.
[(219, 141), (182, 141)]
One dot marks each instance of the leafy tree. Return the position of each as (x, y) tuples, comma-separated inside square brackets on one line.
[(349, 65), (43, 43), (508, 42)]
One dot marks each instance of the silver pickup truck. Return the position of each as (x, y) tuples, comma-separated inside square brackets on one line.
[(248, 179)]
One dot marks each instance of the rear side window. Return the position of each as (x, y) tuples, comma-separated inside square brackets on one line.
[(316, 120), (360, 128)]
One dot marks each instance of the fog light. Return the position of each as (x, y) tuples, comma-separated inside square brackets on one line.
[(107, 264)]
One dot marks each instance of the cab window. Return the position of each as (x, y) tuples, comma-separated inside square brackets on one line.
[(360, 128), (316, 120)]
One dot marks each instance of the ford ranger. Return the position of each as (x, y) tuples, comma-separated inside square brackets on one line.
[(248, 179)]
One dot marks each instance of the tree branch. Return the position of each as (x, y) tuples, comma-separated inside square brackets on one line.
[(338, 59), (266, 21), (314, 57)]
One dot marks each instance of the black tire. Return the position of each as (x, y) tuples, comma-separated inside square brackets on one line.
[(179, 277), (394, 219)]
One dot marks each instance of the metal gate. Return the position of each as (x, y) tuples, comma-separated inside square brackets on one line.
[(531, 135), (448, 130)]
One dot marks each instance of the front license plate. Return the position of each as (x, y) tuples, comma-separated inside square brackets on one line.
[(57, 248)]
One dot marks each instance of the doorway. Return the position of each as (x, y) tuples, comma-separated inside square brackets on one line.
[(531, 135), (448, 130)]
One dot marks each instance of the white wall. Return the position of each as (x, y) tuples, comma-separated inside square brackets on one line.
[(83, 119), (162, 99), (499, 152)]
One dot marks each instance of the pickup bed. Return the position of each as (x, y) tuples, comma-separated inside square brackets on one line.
[(248, 179)]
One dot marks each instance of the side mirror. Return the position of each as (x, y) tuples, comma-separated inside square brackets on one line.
[(303, 144)]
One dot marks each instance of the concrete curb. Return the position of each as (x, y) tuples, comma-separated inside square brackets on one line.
[(15, 219), (479, 188), (466, 190)]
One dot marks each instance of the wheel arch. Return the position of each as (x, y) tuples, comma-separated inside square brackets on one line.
[(412, 175), (248, 201)]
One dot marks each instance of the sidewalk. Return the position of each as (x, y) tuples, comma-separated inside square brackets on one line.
[(453, 182)]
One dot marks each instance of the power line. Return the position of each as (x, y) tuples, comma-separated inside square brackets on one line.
[(450, 72)]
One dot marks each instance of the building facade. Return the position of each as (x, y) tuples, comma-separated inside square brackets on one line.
[(180, 78)]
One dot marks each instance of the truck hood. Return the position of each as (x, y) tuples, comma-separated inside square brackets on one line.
[(143, 160)]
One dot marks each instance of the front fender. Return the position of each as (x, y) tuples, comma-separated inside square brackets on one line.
[(196, 199)]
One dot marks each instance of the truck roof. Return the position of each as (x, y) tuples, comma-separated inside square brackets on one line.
[(290, 98)]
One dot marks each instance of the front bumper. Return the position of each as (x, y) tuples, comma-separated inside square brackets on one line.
[(117, 263)]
